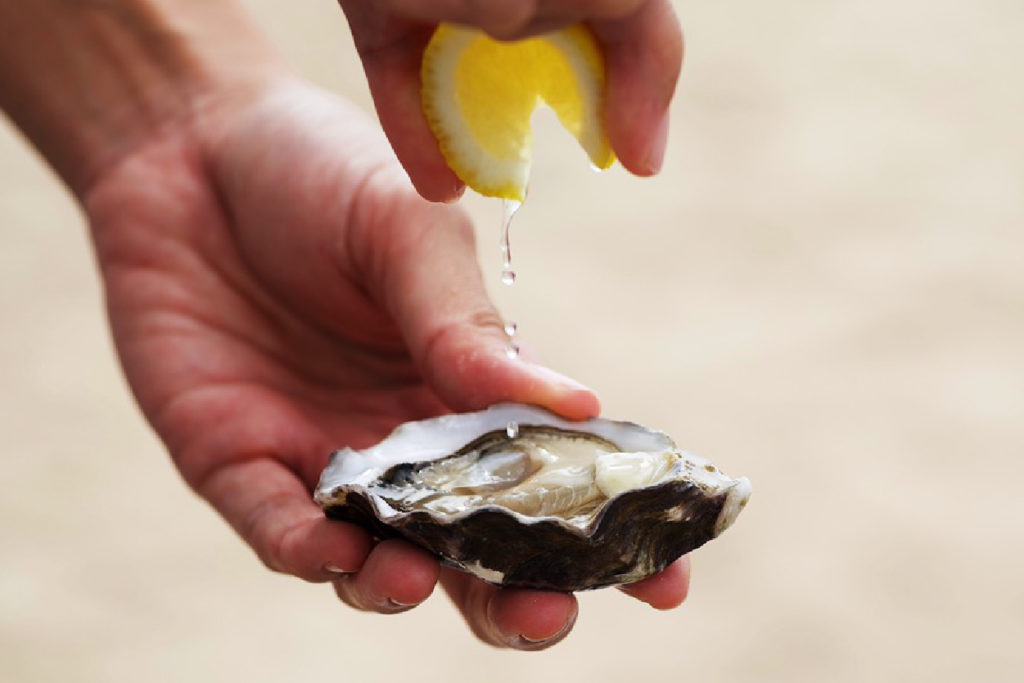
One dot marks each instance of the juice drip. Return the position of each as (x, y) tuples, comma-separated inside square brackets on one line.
[(512, 350), (508, 277), (510, 207)]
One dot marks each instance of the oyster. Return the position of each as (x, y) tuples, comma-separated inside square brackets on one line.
[(520, 497)]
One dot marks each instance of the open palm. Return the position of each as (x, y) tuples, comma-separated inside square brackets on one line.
[(276, 291)]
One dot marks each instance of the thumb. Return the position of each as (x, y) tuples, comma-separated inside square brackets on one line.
[(430, 282)]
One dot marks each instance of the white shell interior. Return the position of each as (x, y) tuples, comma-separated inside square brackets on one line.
[(435, 438)]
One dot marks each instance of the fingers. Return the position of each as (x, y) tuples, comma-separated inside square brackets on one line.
[(496, 16), (508, 617), (396, 577), (666, 589), (643, 56), (272, 511), (428, 278), (511, 18), (641, 39), (391, 53)]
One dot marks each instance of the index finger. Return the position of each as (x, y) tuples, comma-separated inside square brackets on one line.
[(272, 511)]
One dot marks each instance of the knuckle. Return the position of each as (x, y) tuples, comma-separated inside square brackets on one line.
[(267, 538), (504, 20), (619, 9), (487, 319), (451, 337)]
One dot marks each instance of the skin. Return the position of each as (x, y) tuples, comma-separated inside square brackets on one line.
[(276, 288)]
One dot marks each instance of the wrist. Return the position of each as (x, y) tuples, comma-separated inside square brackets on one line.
[(88, 82)]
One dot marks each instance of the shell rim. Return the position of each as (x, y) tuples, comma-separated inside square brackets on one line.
[(332, 495)]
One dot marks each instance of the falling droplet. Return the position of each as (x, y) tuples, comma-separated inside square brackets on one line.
[(508, 276), (512, 430), (509, 209)]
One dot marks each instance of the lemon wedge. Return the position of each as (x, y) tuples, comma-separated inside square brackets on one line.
[(479, 94)]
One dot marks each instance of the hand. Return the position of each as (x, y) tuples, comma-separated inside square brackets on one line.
[(276, 291), (641, 40)]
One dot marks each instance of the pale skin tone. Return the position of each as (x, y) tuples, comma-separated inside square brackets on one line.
[(276, 287)]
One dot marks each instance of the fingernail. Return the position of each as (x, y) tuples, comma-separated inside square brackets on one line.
[(393, 606), (521, 642), (564, 395), (456, 194), (335, 569), (659, 141), (548, 375), (530, 641)]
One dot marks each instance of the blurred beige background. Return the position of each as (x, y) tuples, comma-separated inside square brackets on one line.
[(823, 291)]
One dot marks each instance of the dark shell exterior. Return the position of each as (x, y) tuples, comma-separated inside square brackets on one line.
[(624, 544), (629, 537)]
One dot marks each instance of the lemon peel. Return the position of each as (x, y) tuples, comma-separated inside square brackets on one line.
[(479, 95)]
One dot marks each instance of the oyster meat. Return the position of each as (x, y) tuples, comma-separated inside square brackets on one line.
[(520, 497)]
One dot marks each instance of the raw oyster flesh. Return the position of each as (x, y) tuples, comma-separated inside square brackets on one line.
[(520, 497)]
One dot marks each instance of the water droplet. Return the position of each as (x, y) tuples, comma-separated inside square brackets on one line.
[(512, 351), (512, 430), (511, 328), (508, 276)]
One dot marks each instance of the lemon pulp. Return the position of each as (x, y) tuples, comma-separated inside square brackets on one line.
[(479, 95)]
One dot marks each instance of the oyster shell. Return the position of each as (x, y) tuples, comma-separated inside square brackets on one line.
[(520, 497)]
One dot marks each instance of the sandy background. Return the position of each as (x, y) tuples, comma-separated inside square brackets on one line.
[(824, 291)]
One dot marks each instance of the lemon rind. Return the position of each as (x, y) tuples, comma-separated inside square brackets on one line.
[(503, 178), (507, 178), (586, 58)]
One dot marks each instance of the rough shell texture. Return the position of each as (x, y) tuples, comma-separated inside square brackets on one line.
[(630, 536)]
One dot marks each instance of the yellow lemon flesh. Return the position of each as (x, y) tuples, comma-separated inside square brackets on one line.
[(479, 95)]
